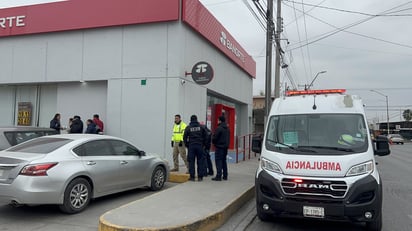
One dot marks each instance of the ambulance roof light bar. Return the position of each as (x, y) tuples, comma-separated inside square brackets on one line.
[(315, 92)]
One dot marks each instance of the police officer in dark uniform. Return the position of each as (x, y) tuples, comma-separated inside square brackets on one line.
[(195, 138), (221, 140)]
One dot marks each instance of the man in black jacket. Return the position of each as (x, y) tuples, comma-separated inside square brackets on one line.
[(221, 140), (194, 138), (77, 125)]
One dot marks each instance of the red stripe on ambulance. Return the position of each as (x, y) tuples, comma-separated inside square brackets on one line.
[(314, 165)]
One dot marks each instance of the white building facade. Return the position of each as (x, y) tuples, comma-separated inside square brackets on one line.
[(134, 63)]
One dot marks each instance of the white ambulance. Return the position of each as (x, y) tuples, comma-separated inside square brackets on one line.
[(317, 160)]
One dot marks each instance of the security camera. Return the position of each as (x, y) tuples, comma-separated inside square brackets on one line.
[(182, 81)]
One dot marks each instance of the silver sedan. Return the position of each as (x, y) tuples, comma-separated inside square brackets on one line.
[(69, 170)]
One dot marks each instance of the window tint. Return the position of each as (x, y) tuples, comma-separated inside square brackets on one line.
[(94, 148), (123, 148), (42, 145)]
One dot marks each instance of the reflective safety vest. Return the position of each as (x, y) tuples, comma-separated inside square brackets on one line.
[(178, 131)]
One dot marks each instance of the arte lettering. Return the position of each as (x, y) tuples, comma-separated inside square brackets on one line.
[(314, 165), (12, 21)]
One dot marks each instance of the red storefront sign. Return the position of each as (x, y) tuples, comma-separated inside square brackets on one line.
[(202, 21), (83, 14)]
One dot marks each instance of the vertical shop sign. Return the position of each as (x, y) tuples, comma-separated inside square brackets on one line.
[(209, 118), (24, 114)]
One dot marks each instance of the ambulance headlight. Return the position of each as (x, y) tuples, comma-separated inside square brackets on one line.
[(360, 169), (270, 165)]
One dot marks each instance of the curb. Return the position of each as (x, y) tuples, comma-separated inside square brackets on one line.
[(211, 222), (178, 177)]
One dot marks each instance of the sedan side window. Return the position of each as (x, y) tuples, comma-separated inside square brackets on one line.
[(95, 148), (123, 148)]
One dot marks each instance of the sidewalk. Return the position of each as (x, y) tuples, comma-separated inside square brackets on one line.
[(196, 205)]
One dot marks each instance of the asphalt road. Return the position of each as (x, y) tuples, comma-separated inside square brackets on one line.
[(49, 218), (396, 172)]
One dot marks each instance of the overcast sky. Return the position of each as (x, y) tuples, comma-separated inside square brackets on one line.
[(374, 55), (371, 53)]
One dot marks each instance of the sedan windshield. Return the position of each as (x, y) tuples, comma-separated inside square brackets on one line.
[(323, 134), (40, 145)]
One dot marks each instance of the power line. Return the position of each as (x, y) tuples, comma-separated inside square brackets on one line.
[(300, 40), (382, 88), (306, 37), (353, 12), (344, 29), (361, 49), (321, 2), (261, 24)]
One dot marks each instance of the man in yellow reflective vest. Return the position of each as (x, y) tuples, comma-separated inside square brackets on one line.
[(178, 144)]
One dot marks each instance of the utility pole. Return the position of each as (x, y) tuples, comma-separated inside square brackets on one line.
[(269, 44), (278, 49)]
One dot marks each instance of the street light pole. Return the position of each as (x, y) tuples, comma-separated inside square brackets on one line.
[(311, 83), (387, 109)]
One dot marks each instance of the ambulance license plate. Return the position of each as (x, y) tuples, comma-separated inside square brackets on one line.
[(315, 212)]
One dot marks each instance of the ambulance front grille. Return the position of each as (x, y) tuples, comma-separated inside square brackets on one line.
[(330, 188)]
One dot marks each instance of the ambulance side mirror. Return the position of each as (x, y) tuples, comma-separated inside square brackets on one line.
[(381, 146), (257, 143)]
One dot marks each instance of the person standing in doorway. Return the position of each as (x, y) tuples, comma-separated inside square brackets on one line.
[(99, 124), (177, 143), (195, 139), (221, 139), (208, 162), (55, 123)]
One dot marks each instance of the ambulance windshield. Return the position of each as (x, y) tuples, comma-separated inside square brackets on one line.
[(336, 134)]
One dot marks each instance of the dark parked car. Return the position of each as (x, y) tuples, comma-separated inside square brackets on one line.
[(10, 136)]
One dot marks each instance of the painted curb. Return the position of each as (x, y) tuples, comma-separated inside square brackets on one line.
[(178, 177), (211, 222)]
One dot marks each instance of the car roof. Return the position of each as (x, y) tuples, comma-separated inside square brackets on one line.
[(81, 136)]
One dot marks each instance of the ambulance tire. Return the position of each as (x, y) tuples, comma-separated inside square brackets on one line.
[(375, 225)]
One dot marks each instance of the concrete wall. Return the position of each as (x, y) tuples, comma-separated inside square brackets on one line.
[(101, 71)]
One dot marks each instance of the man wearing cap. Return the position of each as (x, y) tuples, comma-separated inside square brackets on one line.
[(195, 139), (221, 139)]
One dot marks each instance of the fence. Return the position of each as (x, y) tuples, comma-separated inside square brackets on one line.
[(243, 147)]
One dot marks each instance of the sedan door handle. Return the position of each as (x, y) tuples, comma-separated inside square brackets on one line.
[(91, 163), (123, 162)]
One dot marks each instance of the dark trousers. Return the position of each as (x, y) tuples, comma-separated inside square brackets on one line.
[(208, 164), (221, 162), (196, 153)]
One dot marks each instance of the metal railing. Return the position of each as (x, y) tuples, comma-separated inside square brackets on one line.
[(243, 146)]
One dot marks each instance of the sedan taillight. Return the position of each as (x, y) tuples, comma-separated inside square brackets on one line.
[(37, 169)]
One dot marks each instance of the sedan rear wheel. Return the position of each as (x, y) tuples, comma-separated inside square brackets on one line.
[(158, 178), (76, 196)]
